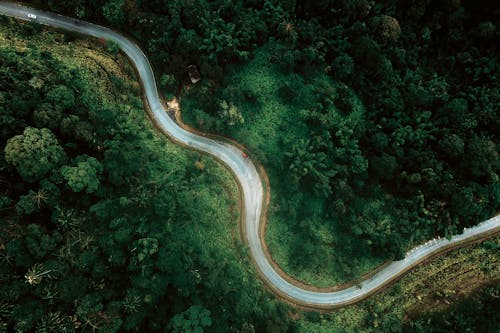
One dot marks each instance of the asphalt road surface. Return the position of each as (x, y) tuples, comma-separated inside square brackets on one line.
[(249, 179)]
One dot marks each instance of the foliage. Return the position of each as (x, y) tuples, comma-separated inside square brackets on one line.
[(453, 292), (34, 153), (361, 113), (112, 47), (113, 11), (230, 114), (83, 176), (474, 313), (371, 155), (169, 84), (194, 320), (118, 229)]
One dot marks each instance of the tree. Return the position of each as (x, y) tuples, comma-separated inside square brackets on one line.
[(342, 67), (65, 218), (388, 28), (193, 320), (38, 242), (230, 114), (145, 248), (61, 97), (379, 141), (484, 159), (83, 176), (384, 166), (452, 145), (113, 12), (55, 322), (220, 41), (73, 127), (34, 153), (306, 164), (369, 55), (48, 115), (31, 202), (168, 83), (112, 47), (36, 274), (459, 116)]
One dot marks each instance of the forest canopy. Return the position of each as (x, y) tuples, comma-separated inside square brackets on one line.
[(105, 225), (377, 123)]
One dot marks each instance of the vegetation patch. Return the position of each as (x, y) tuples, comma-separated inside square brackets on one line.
[(362, 132), (454, 292), (377, 122), (105, 225), (272, 106)]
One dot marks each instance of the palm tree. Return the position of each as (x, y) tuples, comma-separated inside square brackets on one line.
[(131, 304), (65, 218), (36, 273), (5, 310), (54, 322), (40, 197)]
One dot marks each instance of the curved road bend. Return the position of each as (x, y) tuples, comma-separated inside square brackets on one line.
[(249, 180)]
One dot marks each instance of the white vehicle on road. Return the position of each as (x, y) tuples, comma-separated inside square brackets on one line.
[(32, 16)]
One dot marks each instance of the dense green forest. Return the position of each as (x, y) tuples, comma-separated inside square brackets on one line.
[(382, 115), (377, 123), (378, 126), (105, 224)]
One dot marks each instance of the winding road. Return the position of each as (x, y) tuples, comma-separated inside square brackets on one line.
[(250, 182)]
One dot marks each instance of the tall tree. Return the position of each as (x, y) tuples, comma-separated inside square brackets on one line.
[(34, 153)]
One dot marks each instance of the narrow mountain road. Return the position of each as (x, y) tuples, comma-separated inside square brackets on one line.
[(250, 181)]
